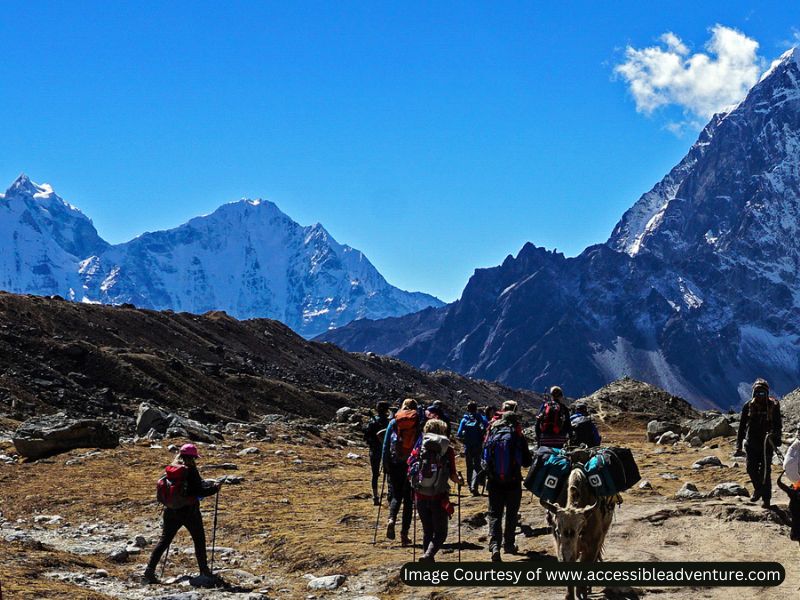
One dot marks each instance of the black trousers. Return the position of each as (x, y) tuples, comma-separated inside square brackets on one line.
[(434, 521), (401, 495), (473, 459), (503, 499), (174, 519), (759, 468), (375, 455)]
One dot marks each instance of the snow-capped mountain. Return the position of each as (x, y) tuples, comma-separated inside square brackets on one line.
[(696, 291), (247, 258)]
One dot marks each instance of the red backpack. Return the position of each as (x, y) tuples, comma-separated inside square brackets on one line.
[(171, 489), (552, 418)]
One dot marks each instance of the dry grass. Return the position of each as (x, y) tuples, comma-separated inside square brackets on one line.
[(287, 519)]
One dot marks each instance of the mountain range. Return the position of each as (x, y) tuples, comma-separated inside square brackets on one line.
[(695, 291), (246, 258)]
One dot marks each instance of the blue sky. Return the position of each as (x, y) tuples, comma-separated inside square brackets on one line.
[(436, 137)]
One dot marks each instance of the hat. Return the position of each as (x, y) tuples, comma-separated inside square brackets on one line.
[(556, 391), (189, 450), (509, 406)]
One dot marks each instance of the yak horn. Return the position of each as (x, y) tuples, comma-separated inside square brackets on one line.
[(553, 508), (587, 509)]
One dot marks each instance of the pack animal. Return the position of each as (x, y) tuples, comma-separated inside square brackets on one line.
[(580, 522)]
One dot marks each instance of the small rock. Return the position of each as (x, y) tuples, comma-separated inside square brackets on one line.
[(47, 519), (140, 541), (119, 556), (343, 414), (329, 582), (353, 456), (645, 485), (101, 573), (667, 438), (280, 452), (670, 476), (250, 450), (695, 442), (689, 491), (730, 488), (708, 461)]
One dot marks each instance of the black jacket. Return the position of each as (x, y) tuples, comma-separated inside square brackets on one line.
[(372, 431), (758, 422)]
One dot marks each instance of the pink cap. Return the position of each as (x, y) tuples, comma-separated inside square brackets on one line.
[(189, 450)]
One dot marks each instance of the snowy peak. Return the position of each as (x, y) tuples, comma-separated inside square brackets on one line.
[(247, 258)]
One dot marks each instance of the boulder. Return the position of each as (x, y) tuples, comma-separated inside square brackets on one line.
[(151, 417), (655, 429), (329, 582), (710, 428), (667, 438), (343, 414), (730, 488), (695, 442), (152, 421), (51, 434)]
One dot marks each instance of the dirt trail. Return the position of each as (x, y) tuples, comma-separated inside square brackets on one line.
[(305, 510)]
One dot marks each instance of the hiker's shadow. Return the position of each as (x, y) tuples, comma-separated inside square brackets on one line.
[(217, 583), (535, 555), (455, 546)]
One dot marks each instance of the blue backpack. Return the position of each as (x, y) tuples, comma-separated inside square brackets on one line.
[(501, 454), (473, 430)]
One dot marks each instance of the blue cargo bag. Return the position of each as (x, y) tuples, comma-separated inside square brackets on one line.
[(548, 474)]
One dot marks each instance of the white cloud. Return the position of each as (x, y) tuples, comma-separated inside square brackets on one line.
[(702, 83)]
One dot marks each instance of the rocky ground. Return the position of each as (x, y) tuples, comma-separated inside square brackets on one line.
[(303, 510)]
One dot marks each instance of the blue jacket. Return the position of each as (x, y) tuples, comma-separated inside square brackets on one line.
[(482, 423)]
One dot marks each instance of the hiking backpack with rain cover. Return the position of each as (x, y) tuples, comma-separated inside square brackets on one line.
[(172, 488), (404, 435), (473, 430), (430, 471), (501, 453)]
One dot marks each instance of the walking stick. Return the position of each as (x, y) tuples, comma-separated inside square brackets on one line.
[(378, 518), (166, 559), (414, 539), (214, 535), (459, 516)]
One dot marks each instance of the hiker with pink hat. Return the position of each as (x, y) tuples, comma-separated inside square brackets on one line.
[(180, 490)]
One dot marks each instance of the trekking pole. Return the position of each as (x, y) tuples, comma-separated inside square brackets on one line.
[(460, 476), (214, 534), (378, 518), (414, 539), (166, 559)]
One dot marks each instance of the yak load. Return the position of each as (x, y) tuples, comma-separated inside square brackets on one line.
[(580, 489)]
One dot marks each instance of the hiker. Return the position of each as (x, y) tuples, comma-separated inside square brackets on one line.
[(437, 411), (431, 466), (401, 436), (471, 431), (505, 451), (793, 491), (182, 509), (760, 430), (553, 425), (584, 431), (373, 436)]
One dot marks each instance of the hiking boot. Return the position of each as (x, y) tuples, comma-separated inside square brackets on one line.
[(376, 501), (755, 497), (405, 541), (426, 559), (149, 577), (510, 549), (390, 529), (475, 492), (496, 556), (765, 503)]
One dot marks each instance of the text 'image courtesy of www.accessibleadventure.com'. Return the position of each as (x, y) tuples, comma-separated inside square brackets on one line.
[(400, 301)]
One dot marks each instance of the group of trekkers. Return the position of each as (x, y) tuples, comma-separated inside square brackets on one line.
[(412, 448), (414, 452)]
